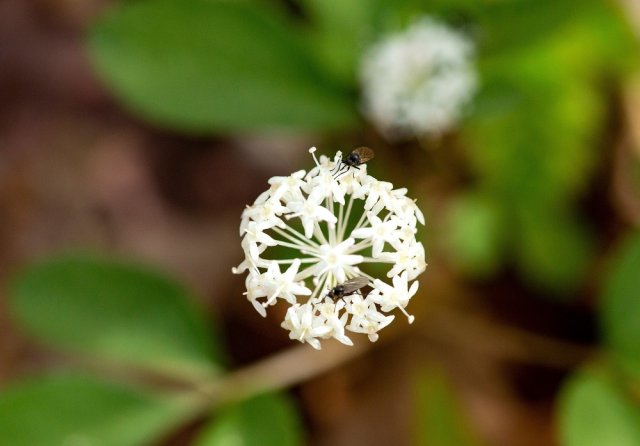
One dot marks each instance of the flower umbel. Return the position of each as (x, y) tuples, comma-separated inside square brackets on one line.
[(312, 231), (418, 81)]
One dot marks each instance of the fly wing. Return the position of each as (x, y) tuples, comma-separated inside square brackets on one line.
[(365, 154), (355, 284)]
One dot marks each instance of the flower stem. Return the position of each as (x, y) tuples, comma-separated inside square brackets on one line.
[(317, 231), (345, 220), (293, 239), (360, 222), (304, 249), (331, 231), (322, 284), (277, 372), (289, 261), (363, 244), (372, 260)]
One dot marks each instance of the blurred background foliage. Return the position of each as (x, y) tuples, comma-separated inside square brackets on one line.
[(532, 205)]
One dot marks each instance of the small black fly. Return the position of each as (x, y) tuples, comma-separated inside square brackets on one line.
[(347, 288), (357, 157)]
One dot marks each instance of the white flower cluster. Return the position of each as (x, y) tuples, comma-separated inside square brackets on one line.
[(418, 81), (311, 231)]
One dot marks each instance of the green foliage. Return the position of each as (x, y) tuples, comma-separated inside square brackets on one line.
[(595, 412), (266, 420), (515, 24), (107, 310), (621, 307), (79, 410), (533, 137), (440, 418), (474, 234), (498, 27), (595, 409), (204, 66), (111, 311), (339, 32), (553, 249)]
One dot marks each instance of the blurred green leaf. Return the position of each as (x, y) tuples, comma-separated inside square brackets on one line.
[(201, 65), (266, 420), (534, 135), (609, 37), (474, 234), (594, 412), (75, 410), (532, 138), (107, 310), (621, 306), (441, 421), (396, 15), (541, 111), (498, 27), (553, 250), (511, 25), (339, 32)]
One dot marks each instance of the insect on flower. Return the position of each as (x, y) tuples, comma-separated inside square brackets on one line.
[(357, 157), (311, 242), (347, 288)]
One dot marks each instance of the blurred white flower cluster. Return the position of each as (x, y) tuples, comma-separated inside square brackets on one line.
[(311, 231), (417, 82)]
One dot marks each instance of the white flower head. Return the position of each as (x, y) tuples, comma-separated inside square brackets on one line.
[(417, 82), (312, 231)]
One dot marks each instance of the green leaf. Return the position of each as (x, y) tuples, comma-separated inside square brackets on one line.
[(621, 306), (556, 116), (339, 33), (77, 410), (397, 15), (202, 65), (594, 412), (266, 420), (533, 139), (441, 420), (542, 109), (514, 24), (609, 35), (553, 250), (474, 234), (107, 310)]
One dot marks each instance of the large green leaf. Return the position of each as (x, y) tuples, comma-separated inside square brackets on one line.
[(621, 306), (266, 420), (441, 420), (108, 310), (207, 65), (77, 410), (594, 412)]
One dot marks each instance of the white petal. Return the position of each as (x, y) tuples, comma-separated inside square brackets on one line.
[(362, 233), (308, 224), (414, 288), (344, 339), (259, 308), (377, 247)]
